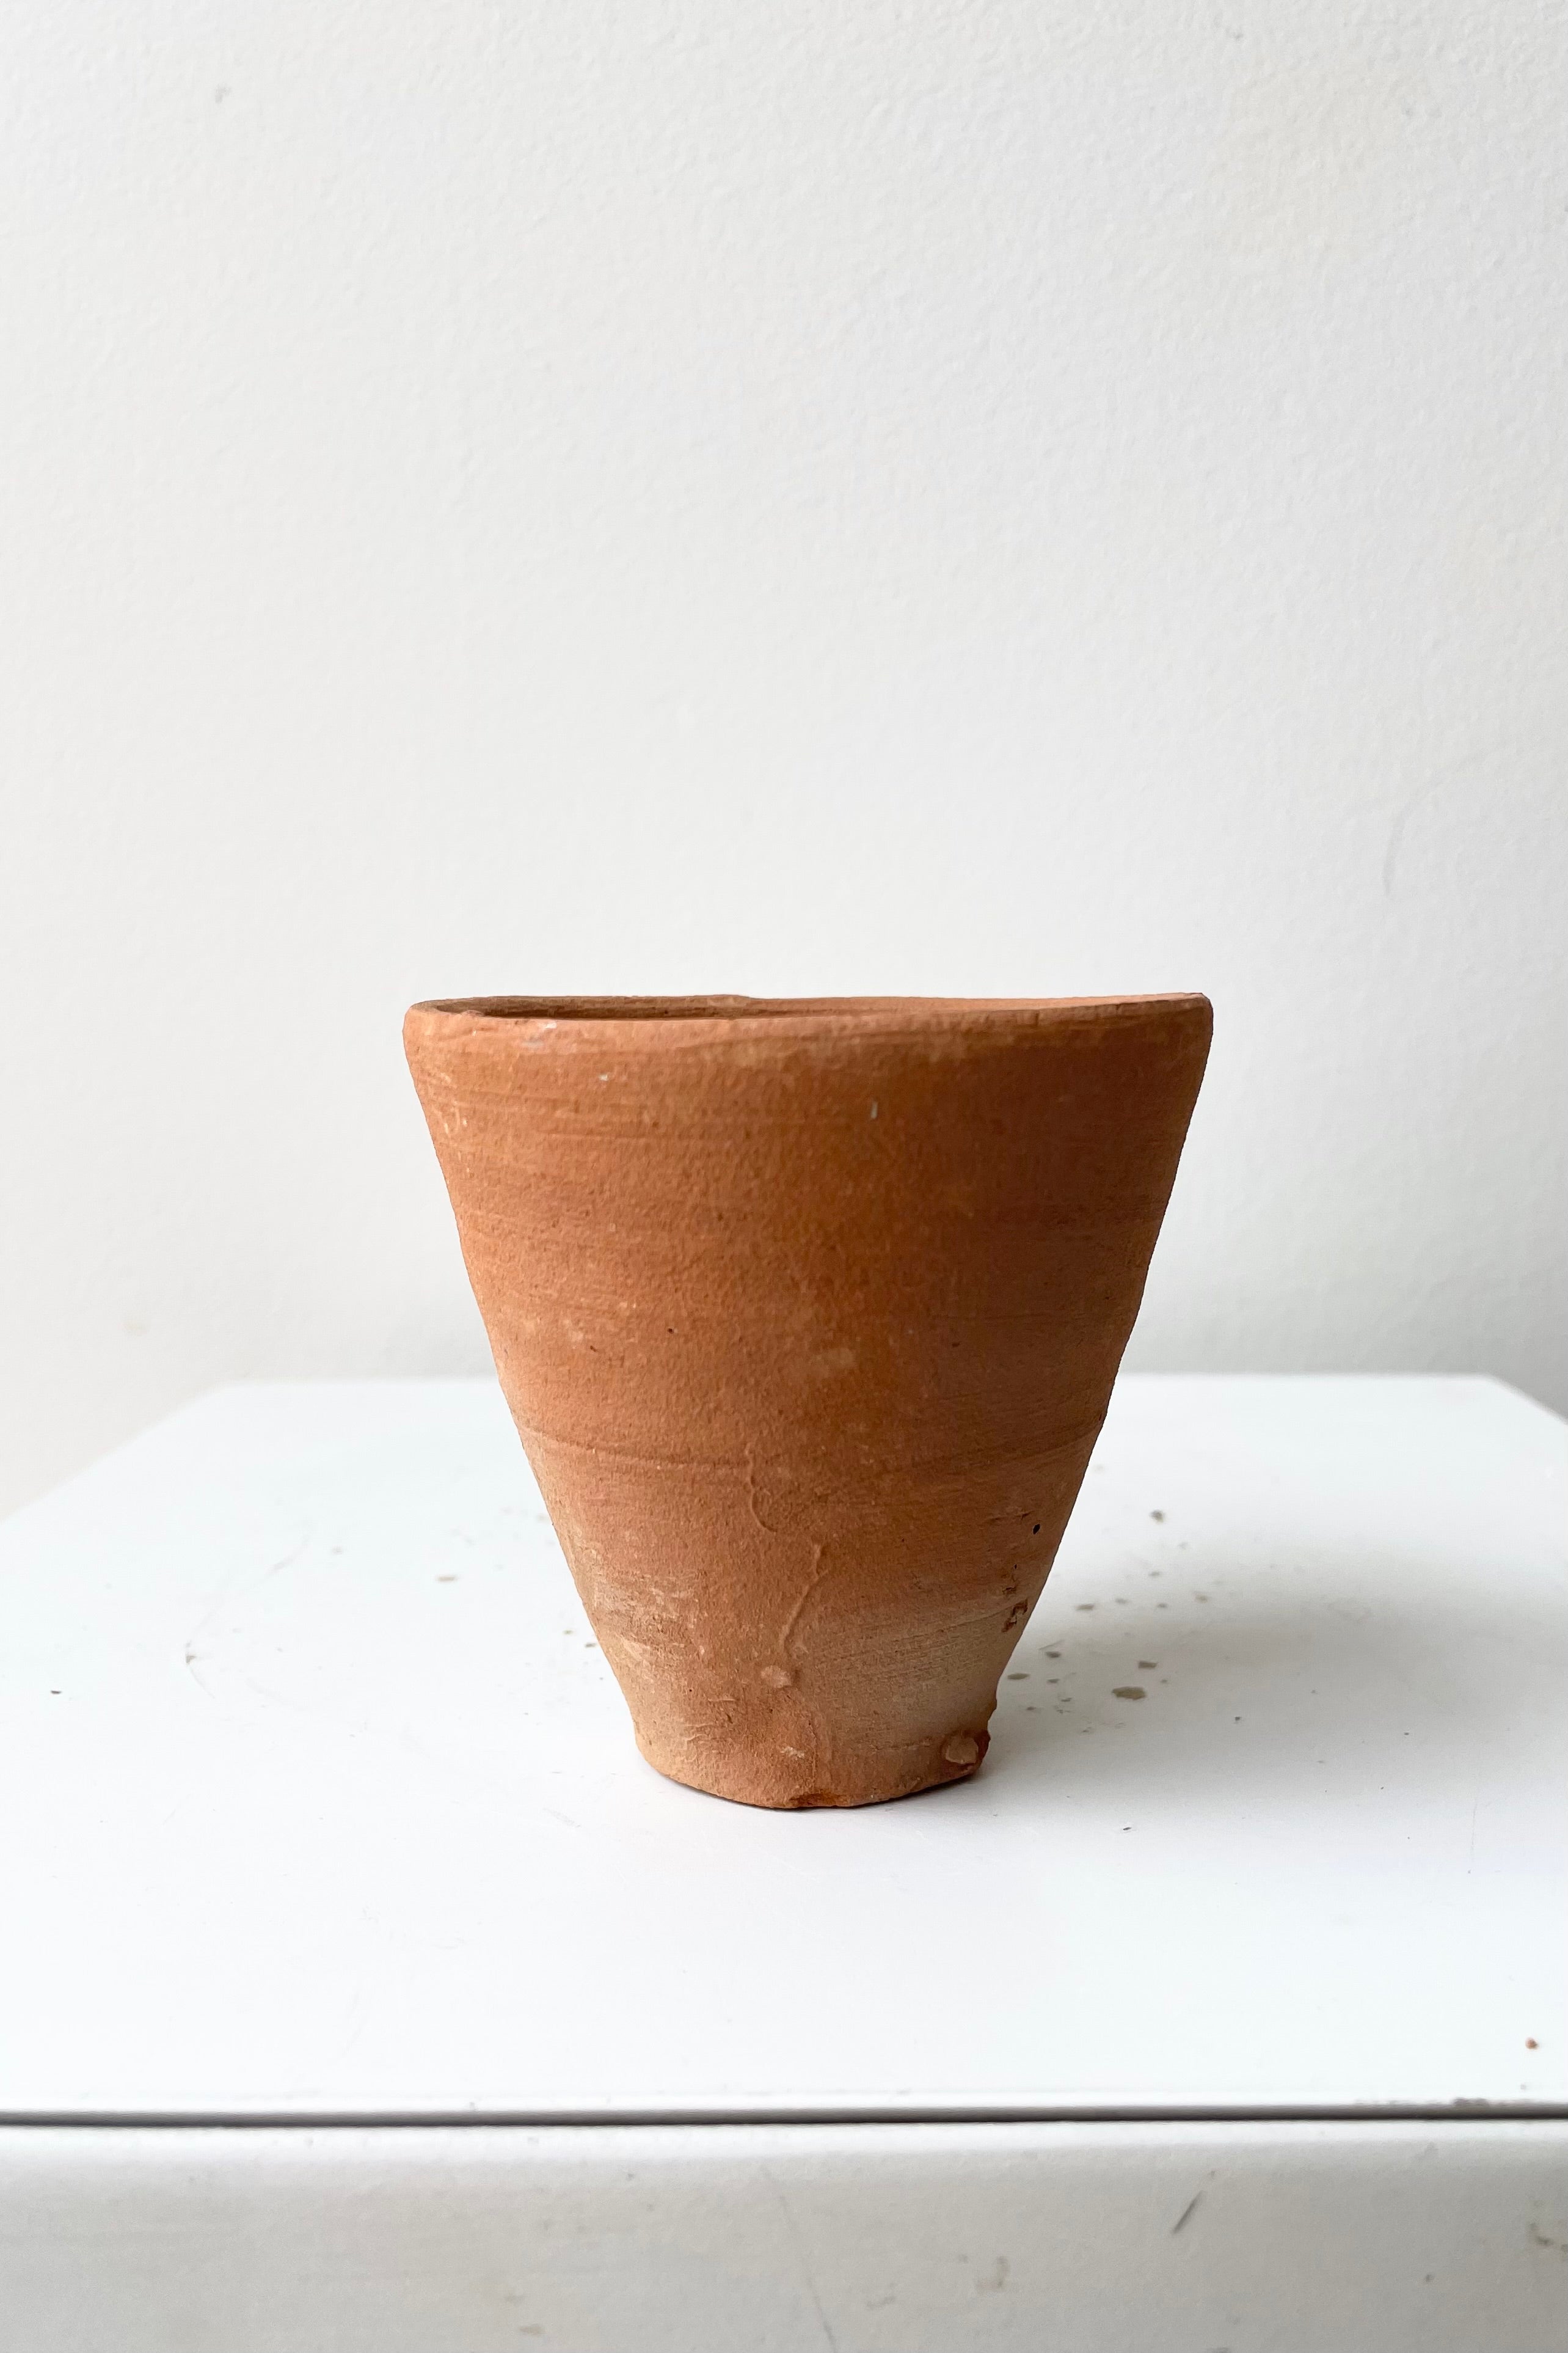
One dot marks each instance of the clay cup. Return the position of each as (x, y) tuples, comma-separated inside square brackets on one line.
[(807, 1312)]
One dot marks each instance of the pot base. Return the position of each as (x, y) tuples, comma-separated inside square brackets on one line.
[(747, 1777)]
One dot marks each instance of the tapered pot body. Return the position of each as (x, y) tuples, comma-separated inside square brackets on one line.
[(808, 1314)]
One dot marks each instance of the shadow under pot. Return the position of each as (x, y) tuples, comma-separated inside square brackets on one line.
[(807, 1312)]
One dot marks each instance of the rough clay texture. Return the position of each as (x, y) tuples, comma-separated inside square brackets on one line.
[(808, 1314)]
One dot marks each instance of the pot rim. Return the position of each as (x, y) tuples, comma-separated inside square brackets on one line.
[(648, 1018)]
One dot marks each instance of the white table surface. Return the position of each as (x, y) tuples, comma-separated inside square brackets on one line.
[(320, 1803)]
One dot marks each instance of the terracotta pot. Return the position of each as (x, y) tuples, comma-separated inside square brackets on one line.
[(807, 1313)]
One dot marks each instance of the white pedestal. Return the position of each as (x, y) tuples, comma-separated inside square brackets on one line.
[(363, 1990)]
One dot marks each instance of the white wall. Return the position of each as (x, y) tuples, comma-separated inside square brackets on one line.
[(773, 495)]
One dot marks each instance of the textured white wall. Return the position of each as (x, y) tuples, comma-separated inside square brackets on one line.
[(771, 495)]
